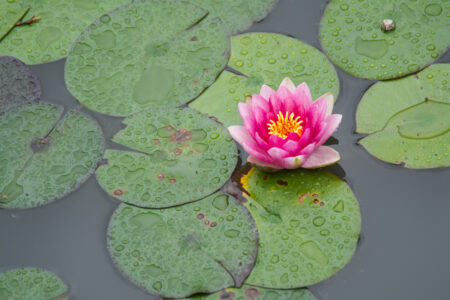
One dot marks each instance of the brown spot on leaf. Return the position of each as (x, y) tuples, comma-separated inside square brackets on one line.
[(315, 195), (206, 222), (265, 177), (172, 180), (251, 293), (316, 201), (302, 197), (156, 141), (322, 204), (161, 176), (169, 128), (178, 151), (200, 216), (194, 38), (181, 135), (226, 295), (213, 224), (282, 182), (118, 192)]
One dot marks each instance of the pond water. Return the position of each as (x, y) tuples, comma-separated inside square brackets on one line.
[(404, 245)]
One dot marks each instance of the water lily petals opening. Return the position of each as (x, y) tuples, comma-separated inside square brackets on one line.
[(285, 129)]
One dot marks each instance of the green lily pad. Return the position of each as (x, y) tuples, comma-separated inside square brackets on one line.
[(146, 55), (351, 35), (308, 222), (31, 284), (18, 84), (50, 38), (251, 292), (237, 15), (412, 119), (265, 58), (42, 157), (199, 247), (183, 156)]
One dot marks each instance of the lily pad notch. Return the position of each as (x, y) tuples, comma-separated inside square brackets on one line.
[(413, 119), (45, 154)]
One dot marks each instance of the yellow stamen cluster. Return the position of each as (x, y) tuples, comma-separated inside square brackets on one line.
[(285, 125)]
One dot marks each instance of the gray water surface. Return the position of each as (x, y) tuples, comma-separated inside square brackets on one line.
[(403, 254)]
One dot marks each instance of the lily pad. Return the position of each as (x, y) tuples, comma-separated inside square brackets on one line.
[(265, 58), (31, 284), (44, 157), (178, 156), (351, 35), (309, 224), (18, 84), (251, 292), (50, 38), (237, 15), (199, 247), (412, 119), (146, 55)]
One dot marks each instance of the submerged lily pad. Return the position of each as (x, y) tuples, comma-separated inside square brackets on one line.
[(237, 15), (31, 284), (146, 55), (175, 252), (352, 36), (251, 292), (412, 119), (179, 156), (18, 84), (265, 58), (308, 222), (42, 157), (50, 38)]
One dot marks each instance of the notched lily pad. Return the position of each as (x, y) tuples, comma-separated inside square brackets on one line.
[(352, 36), (145, 55), (42, 157), (179, 156), (413, 119), (18, 84), (265, 58), (198, 247), (237, 15), (50, 38), (258, 293), (308, 222), (31, 284)]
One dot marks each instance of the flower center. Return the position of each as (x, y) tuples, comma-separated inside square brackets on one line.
[(285, 125)]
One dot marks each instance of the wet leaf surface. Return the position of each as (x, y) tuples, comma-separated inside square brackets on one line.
[(146, 55), (352, 36), (42, 157), (179, 156), (308, 222), (265, 58), (258, 293), (413, 119), (175, 252), (237, 15), (31, 284), (50, 38), (18, 84)]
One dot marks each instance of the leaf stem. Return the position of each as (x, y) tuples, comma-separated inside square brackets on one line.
[(15, 23)]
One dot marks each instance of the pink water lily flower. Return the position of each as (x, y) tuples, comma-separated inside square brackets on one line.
[(286, 129)]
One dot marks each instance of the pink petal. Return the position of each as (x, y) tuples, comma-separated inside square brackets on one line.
[(259, 101), (276, 104), (247, 116), (254, 149), (287, 83), (308, 149), (302, 97), (323, 156), (262, 142), (329, 100), (277, 153), (240, 134), (276, 141), (291, 146), (293, 162), (332, 122), (254, 160), (266, 92)]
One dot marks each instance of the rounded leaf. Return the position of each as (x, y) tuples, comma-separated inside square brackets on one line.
[(144, 55), (179, 156), (308, 222), (45, 155), (352, 35), (175, 252)]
